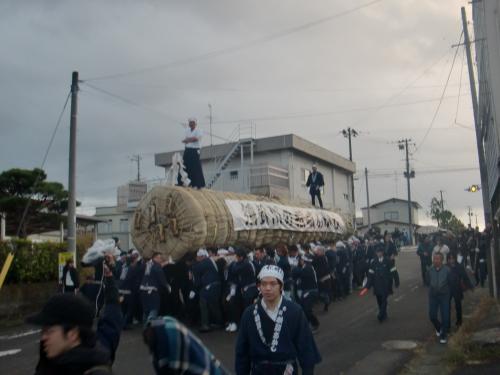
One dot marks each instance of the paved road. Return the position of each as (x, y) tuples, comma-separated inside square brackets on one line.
[(350, 338)]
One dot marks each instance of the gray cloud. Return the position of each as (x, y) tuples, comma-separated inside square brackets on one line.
[(358, 61)]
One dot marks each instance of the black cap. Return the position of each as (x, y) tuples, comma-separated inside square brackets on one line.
[(64, 309), (241, 252)]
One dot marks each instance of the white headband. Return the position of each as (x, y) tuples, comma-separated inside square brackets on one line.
[(202, 253), (271, 271)]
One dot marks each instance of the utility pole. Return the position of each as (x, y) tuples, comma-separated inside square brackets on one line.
[(2, 226), (470, 216), (349, 134), (368, 199), (72, 167), (492, 266), (137, 158), (212, 153), (442, 201), (403, 145), (477, 123)]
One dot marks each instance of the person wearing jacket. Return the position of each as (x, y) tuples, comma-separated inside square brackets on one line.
[(274, 337), (246, 278), (459, 281), (307, 288), (321, 267), (130, 289), (315, 182), (69, 344), (70, 280), (176, 350), (424, 251), (153, 284), (207, 285), (380, 277), (439, 296)]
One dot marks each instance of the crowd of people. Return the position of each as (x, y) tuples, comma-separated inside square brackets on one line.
[(255, 292), (211, 289), (451, 265)]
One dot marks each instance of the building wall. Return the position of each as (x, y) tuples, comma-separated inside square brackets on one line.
[(118, 225), (235, 178), (397, 211), (486, 16)]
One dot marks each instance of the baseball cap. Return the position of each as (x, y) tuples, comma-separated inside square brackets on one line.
[(64, 309)]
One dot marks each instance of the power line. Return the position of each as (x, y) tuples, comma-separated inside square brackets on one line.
[(422, 172), (460, 86), (328, 113), (442, 97), (144, 107), (42, 165), (129, 101), (392, 97), (239, 47)]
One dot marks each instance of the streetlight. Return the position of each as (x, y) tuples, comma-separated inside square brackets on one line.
[(473, 188)]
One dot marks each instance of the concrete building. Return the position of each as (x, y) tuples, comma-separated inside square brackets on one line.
[(486, 15), (389, 215), (277, 167), (116, 221)]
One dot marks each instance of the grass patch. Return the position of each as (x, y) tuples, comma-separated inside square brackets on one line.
[(460, 350)]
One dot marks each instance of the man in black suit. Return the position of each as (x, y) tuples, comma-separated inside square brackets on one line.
[(315, 182)]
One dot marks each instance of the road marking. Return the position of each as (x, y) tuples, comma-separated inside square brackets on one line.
[(18, 335), (414, 288), (9, 352), (399, 298)]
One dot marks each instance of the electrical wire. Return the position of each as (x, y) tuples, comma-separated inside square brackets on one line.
[(239, 47), (459, 86), (328, 113), (417, 148), (42, 165), (144, 107), (409, 85)]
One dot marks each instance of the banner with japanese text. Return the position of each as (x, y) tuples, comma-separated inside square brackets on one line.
[(253, 215)]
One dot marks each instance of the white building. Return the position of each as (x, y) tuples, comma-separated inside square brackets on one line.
[(389, 215), (116, 221), (277, 167)]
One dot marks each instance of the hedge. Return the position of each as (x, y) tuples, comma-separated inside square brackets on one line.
[(37, 262)]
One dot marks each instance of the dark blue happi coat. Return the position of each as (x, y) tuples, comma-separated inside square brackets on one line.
[(295, 344)]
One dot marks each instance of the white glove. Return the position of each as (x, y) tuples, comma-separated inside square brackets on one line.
[(191, 294), (229, 296)]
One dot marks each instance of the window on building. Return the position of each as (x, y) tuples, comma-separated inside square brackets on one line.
[(305, 174), (123, 225), (106, 227), (233, 175), (391, 215)]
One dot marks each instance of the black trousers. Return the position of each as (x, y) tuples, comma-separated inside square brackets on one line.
[(315, 194), (382, 307), (192, 164), (458, 308), (424, 265), (307, 304)]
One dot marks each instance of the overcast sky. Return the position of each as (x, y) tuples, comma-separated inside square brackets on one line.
[(307, 67)]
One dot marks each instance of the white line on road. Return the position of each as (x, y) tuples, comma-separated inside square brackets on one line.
[(9, 352), (18, 335), (399, 298)]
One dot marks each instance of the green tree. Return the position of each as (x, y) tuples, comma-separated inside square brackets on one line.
[(47, 200), (436, 210), (445, 218)]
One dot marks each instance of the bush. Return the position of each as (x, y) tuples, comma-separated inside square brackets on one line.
[(33, 262)]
